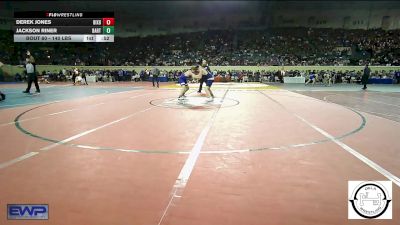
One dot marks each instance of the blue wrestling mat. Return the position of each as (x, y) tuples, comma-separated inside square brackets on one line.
[(15, 97)]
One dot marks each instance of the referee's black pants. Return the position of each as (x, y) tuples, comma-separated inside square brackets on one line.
[(32, 78)]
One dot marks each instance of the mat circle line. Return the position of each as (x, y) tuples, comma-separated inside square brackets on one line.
[(205, 105), (288, 146)]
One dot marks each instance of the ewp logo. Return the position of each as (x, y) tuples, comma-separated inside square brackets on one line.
[(28, 212)]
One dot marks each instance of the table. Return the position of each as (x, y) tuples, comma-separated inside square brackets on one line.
[(294, 80), (380, 81), (160, 79), (91, 79)]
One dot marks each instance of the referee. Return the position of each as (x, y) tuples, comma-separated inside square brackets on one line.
[(32, 77), (31, 59), (365, 77), (156, 73)]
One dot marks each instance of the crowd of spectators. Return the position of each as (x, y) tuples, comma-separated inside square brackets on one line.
[(289, 46), (264, 76)]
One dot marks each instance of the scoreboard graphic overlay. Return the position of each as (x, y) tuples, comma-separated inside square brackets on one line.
[(36, 26)]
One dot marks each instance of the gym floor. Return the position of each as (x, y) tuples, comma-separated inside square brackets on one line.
[(128, 153)]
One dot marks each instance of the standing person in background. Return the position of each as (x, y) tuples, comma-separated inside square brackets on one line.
[(281, 74), (156, 73), (32, 77), (365, 76), (83, 75), (75, 73), (312, 78), (63, 74), (397, 76), (120, 75), (141, 75), (327, 78), (146, 74), (334, 77)]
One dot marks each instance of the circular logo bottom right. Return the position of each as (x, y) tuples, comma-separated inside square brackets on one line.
[(370, 200)]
